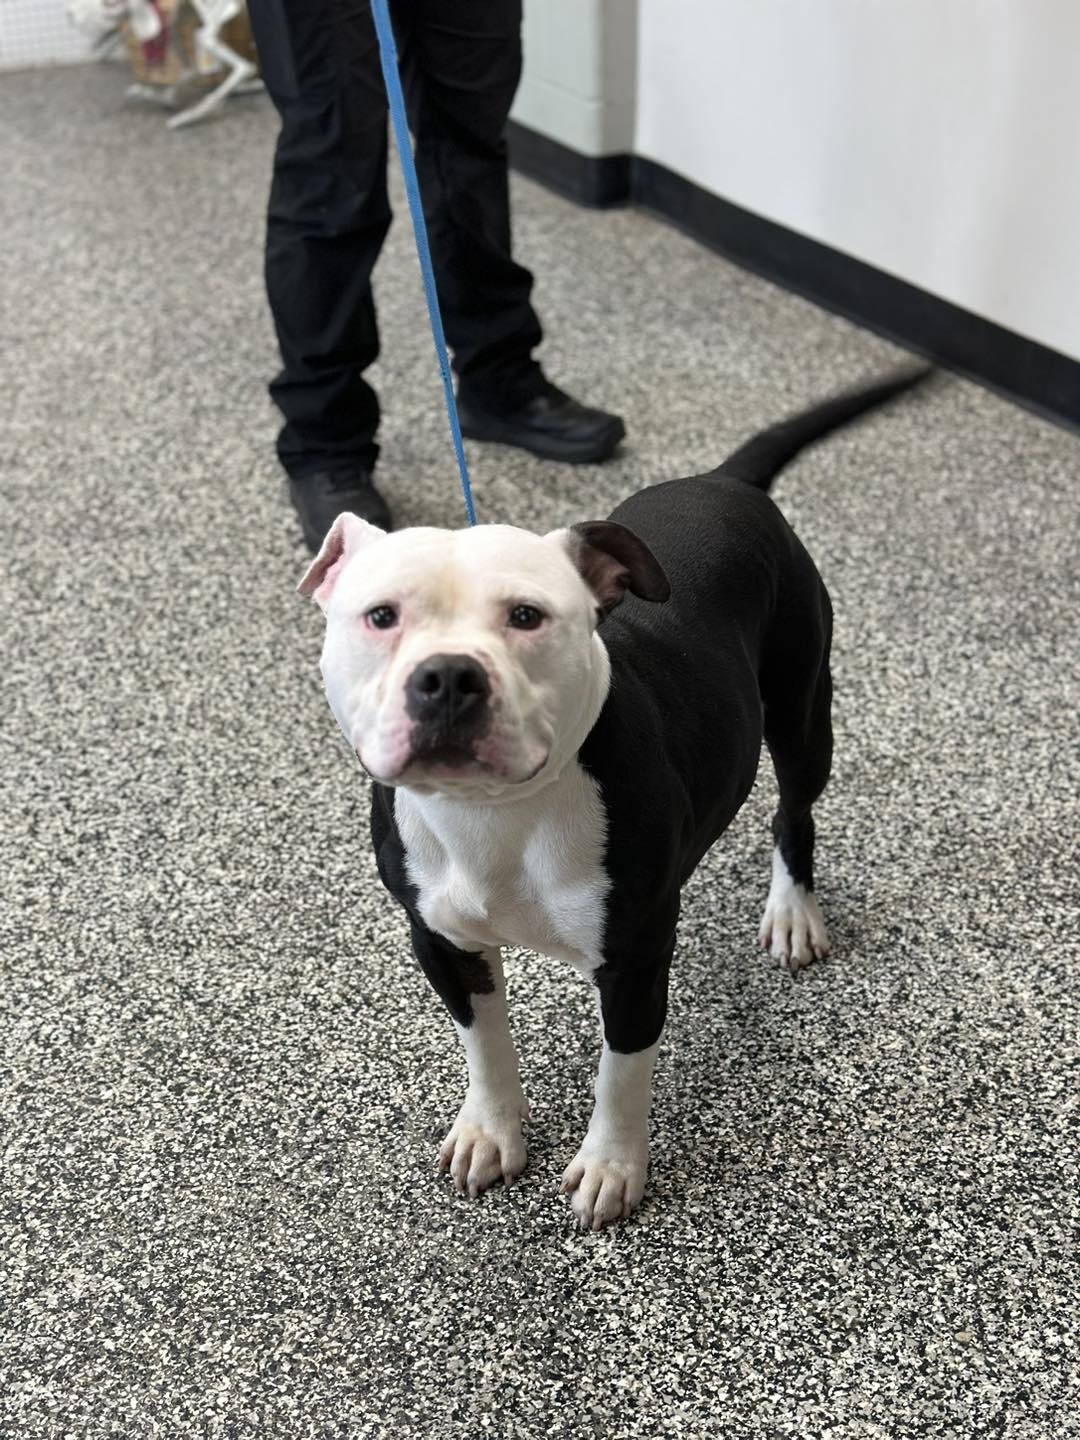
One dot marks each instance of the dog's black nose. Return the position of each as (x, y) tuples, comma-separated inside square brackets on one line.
[(447, 688)]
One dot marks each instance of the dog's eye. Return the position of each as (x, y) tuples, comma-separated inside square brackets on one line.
[(382, 617), (525, 617)]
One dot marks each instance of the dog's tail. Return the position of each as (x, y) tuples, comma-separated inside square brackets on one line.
[(761, 459)]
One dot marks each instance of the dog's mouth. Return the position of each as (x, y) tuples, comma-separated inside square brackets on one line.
[(428, 763), (441, 759), (445, 758), (453, 766)]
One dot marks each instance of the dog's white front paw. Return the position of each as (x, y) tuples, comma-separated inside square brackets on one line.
[(605, 1185), (485, 1144), (793, 927)]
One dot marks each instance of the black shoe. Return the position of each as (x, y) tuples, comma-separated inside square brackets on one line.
[(552, 425), (320, 498)]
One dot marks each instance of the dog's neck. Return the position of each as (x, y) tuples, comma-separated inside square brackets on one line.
[(564, 750)]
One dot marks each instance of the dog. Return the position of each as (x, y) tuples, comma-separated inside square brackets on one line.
[(558, 728)]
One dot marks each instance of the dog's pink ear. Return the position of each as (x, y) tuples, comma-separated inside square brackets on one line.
[(347, 535), (612, 560)]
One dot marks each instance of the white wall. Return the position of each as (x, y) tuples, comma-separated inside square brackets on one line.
[(579, 79), (38, 32), (936, 139)]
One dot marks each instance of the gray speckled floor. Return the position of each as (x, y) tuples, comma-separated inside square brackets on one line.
[(223, 1080)]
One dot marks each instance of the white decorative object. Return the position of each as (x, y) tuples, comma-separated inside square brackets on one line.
[(101, 18), (240, 75)]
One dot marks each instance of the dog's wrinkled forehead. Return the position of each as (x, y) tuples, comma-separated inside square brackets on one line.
[(451, 571), (359, 563)]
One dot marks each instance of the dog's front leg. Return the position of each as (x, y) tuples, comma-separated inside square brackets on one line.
[(485, 1142), (606, 1178)]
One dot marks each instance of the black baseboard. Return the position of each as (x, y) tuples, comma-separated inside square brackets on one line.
[(594, 180), (1032, 374)]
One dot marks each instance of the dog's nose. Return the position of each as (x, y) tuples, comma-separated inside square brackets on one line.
[(450, 687)]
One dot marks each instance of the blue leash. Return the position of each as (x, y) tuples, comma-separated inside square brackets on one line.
[(388, 56)]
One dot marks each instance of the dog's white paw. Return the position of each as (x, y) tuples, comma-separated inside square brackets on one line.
[(485, 1144), (793, 927), (605, 1187)]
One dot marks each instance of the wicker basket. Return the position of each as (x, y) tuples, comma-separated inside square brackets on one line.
[(174, 58)]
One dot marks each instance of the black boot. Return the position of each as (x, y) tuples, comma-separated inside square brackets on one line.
[(551, 424), (320, 498)]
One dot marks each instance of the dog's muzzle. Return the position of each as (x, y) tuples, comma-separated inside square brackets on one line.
[(447, 697)]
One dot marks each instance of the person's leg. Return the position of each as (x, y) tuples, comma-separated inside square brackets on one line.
[(328, 217), (461, 64)]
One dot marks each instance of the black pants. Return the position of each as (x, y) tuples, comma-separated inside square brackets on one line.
[(329, 213)]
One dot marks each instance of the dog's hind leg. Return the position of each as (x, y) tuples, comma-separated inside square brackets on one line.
[(797, 693)]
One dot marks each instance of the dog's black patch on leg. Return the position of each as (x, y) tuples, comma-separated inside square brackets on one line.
[(633, 1003), (456, 975), (795, 841)]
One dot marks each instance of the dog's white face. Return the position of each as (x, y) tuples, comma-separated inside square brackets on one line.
[(464, 660)]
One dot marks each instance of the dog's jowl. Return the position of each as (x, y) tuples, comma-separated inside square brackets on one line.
[(558, 728)]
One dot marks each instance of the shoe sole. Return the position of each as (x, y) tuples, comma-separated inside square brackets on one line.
[(547, 447)]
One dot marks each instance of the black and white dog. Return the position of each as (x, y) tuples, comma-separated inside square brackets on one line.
[(559, 727)]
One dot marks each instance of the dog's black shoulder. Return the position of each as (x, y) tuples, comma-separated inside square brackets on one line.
[(389, 847), (647, 810)]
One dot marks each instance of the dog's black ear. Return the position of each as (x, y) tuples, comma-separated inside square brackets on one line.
[(613, 560)]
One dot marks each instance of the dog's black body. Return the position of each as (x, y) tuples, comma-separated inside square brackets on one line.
[(737, 654)]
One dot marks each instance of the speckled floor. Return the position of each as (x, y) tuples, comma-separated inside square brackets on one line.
[(224, 1080)]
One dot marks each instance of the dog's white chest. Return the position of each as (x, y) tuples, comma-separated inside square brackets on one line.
[(529, 873)]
